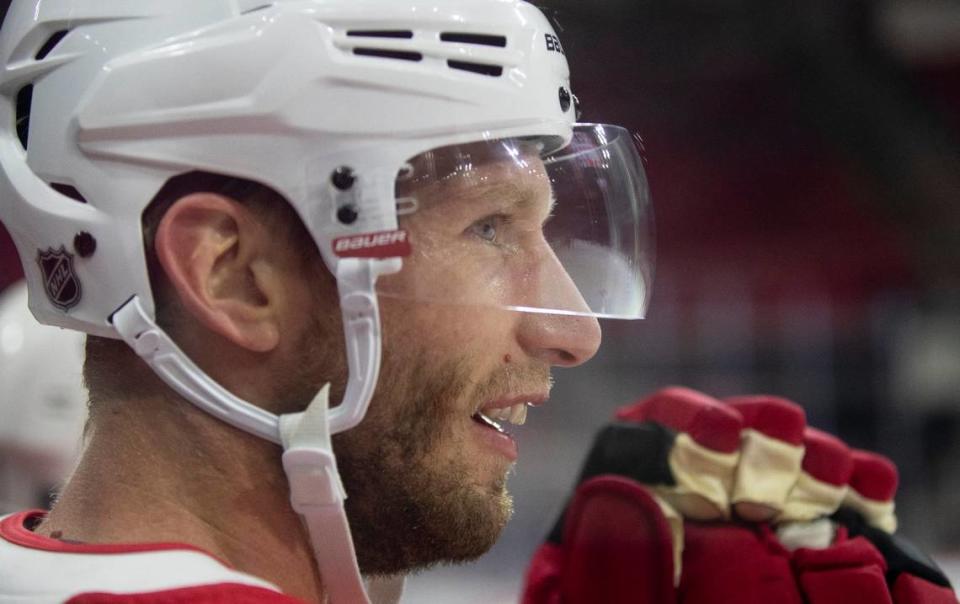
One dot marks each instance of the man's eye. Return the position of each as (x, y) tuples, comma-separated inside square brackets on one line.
[(486, 228)]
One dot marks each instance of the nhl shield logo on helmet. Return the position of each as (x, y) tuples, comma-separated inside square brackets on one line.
[(60, 281)]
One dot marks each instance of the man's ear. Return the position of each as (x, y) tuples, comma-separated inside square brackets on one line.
[(215, 255)]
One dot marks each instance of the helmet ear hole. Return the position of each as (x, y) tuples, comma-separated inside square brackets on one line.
[(24, 103), (50, 44), (255, 9), (25, 95), (68, 191)]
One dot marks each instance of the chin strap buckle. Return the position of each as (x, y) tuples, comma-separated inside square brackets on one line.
[(317, 494), (308, 458), (314, 480)]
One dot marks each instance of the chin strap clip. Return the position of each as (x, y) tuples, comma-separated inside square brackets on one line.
[(317, 494)]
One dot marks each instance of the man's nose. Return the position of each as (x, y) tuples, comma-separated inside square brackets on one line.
[(560, 340), (567, 337)]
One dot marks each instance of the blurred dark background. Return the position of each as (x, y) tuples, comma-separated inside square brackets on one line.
[(804, 160)]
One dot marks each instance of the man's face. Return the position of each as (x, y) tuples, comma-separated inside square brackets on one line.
[(426, 476)]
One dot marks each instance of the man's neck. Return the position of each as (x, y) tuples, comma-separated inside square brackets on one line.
[(159, 470)]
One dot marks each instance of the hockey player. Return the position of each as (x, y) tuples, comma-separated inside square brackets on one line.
[(322, 248)]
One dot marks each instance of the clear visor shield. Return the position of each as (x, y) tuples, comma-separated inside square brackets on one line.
[(502, 224)]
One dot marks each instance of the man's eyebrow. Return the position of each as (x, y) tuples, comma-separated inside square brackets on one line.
[(520, 197)]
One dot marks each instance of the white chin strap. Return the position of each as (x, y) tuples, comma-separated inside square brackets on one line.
[(316, 492)]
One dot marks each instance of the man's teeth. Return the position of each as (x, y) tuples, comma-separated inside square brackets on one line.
[(515, 414), (486, 420), (518, 414)]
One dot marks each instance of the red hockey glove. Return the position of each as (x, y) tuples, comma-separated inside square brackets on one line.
[(682, 453)]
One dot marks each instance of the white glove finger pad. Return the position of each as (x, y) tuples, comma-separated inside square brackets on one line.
[(877, 513), (771, 451), (767, 471), (822, 485), (704, 478), (812, 498), (872, 487), (675, 520)]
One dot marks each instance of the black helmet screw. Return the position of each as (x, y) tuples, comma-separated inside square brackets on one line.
[(84, 244), (347, 214), (343, 178)]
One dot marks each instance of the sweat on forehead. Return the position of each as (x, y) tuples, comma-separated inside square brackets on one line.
[(519, 182)]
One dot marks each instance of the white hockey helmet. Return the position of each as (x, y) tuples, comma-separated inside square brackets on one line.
[(43, 405), (357, 112)]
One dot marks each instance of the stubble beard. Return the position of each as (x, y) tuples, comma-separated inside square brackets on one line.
[(413, 496)]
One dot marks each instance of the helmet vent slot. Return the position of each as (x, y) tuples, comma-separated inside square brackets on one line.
[(255, 9), (403, 55), (24, 102), (481, 39), (69, 191), (51, 43), (481, 68), (381, 33)]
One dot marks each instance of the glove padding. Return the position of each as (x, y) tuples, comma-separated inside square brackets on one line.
[(771, 445), (703, 454), (617, 544), (620, 541)]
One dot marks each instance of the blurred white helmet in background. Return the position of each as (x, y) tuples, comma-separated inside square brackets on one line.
[(43, 403)]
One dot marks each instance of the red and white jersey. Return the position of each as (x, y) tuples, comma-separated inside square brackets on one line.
[(36, 569)]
